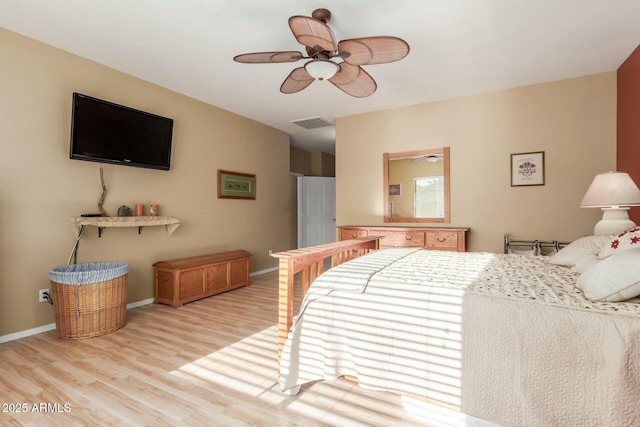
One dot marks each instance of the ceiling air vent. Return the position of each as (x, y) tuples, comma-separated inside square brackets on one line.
[(311, 123)]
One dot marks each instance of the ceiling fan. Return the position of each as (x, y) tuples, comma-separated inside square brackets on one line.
[(347, 75)]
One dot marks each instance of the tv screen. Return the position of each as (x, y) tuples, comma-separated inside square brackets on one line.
[(105, 132)]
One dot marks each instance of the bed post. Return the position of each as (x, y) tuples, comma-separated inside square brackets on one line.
[(285, 301)]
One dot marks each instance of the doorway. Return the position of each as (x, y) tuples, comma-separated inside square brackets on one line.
[(316, 210)]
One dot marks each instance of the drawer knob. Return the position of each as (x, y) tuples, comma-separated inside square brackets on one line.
[(441, 239), (408, 237)]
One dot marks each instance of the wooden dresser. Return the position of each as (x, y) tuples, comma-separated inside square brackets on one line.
[(434, 238)]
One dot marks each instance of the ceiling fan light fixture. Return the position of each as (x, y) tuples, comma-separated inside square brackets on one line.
[(314, 34), (321, 69)]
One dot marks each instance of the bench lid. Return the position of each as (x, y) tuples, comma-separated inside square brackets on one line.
[(197, 261)]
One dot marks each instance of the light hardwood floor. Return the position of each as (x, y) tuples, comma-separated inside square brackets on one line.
[(212, 362)]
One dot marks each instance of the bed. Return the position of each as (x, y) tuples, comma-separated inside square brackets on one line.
[(512, 339)]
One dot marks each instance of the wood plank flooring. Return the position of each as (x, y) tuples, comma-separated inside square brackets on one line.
[(212, 362)]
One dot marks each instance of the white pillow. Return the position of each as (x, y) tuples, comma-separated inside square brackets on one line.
[(616, 278), (578, 249), (620, 242), (586, 263)]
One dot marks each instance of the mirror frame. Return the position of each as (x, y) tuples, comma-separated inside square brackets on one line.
[(411, 155)]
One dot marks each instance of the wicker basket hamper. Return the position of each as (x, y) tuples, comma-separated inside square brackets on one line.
[(89, 299)]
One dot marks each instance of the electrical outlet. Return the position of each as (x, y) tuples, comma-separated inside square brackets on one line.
[(43, 295), (269, 252)]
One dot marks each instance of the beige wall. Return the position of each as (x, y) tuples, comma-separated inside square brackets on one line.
[(300, 161), (572, 121), (41, 188), (323, 164), (312, 163)]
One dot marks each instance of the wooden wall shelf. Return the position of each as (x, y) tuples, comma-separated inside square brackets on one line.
[(102, 222)]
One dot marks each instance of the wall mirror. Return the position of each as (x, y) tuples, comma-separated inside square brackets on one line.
[(416, 186)]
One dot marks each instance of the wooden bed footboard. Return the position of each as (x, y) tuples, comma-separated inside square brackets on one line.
[(310, 263)]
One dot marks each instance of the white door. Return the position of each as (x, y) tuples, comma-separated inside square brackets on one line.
[(316, 211)]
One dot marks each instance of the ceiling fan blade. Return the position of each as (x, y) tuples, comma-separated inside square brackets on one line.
[(353, 80), (296, 81), (268, 57), (374, 50), (312, 32)]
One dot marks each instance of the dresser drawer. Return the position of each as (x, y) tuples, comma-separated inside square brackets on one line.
[(352, 233), (431, 238), (442, 240), (400, 238)]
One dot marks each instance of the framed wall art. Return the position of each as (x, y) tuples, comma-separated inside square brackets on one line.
[(236, 185), (395, 189), (527, 169)]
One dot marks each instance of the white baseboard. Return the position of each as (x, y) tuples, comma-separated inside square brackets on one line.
[(140, 303), (52, 326), (268, 270), (28, 332)]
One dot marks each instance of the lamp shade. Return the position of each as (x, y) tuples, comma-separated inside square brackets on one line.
[(321, 68), (611, 189)]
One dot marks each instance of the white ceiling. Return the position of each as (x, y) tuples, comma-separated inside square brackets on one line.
[(458, 47)]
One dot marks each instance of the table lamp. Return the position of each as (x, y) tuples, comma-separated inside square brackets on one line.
[(613, 192)]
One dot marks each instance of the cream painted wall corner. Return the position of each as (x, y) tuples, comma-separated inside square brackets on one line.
[(42, 188), (572, 121)]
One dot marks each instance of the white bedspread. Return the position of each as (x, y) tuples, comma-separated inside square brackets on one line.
[(507, 338)]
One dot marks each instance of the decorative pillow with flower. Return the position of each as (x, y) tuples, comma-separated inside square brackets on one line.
[(616, 278), (620, 242)]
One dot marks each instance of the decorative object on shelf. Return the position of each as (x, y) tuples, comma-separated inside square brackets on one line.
[(139, 209), (124, 211), (613, 192), (527, 169), (153, 209), (104, 193), (236, 185)]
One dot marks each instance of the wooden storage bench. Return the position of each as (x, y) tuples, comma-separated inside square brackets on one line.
[(183, 280)]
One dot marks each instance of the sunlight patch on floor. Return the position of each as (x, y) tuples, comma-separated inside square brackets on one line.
[(249, 366), (441, 416)]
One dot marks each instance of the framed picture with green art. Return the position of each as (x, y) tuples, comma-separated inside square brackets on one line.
[(236, 185)]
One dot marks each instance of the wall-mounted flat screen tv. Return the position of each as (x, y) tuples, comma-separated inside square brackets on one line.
[(105, 132)]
